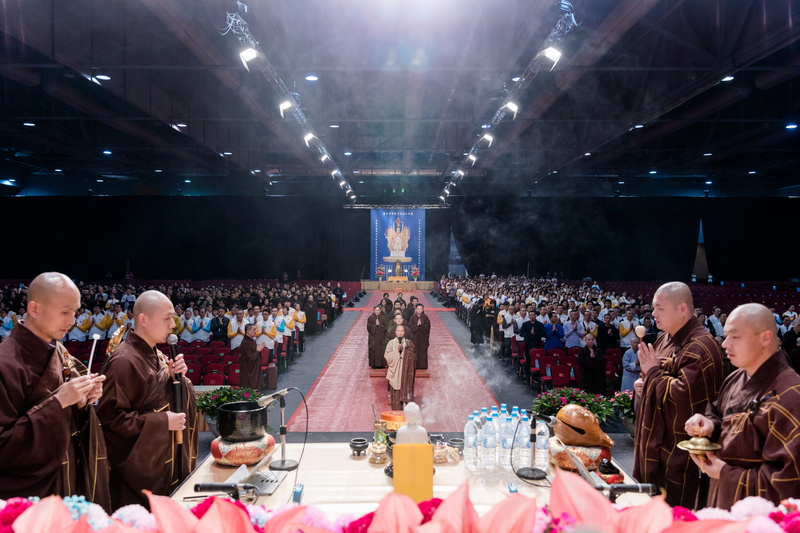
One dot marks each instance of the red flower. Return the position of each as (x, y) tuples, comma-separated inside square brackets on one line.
[(246, 394), (428, 508), (202, 508), (361, 525), (14, 507), (563, 401), (682, 514)]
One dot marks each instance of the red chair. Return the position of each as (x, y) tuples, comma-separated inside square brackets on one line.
[(195, 370), (215, 367), (97, 367), (163, 347), (185, 350), (280, 354), (236, 351), (611, 377), (574, 350), (234, 375), (209, 358), (612, 360), (556, 352), (522, 354), (182, 343), (614, 351), (214, 379), (220, 350), (191, 358), (569, 360), (560, 376), (197, 344), (229, 359), (73, 346), (216, 344), (534, 354), (576, 373), (202, 351), (546, 363)]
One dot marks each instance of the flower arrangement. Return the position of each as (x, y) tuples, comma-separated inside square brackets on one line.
[(574, 506), (210, 402), (549, 403), (380, 272), (415, 271), (623, 401)]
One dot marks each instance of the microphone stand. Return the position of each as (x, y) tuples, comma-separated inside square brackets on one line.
[(284, 464)]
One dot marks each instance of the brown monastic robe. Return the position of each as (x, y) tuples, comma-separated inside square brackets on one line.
[(401, 361), (46, 449), (390, 329), (142, 451), (690, 375), (249, 364), (760, 440), (420, 326), (376, 330)]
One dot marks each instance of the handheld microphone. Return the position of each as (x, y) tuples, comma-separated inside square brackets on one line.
[(177, 383), (172, 341), (264, 400)]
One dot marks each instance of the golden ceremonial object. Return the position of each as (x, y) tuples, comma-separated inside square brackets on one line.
[(641, 331), (116, 339), (699, 446)]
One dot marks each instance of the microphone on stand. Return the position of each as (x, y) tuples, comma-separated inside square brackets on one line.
[(284, 463), (177, 383), (530, 473), (264, 400)]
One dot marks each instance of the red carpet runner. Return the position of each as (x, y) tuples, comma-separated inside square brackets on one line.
[(341, 397)]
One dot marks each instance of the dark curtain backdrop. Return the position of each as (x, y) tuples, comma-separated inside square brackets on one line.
[(261, 237)]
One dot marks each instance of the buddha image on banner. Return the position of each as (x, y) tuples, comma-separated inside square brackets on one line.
[(398, 243)]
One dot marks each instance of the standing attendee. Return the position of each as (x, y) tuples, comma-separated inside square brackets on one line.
[(100, 323), (300, 324), (187, 327), (288, 332), (631, 371), (401, 362), (236, 329), (554, 332), (51, 441), (607, 334), (117, 320), (420, 326), (682, 372), (593, 367), (203, 325), (83, 323), (265, 340), (627, 330), (311, 314), (249, 360), (590, 327), (754, 418), (573, 331), (376, 333), (505, 320), (137, 409), (477, 322), (219, 326), (789, 339), (128, 299)]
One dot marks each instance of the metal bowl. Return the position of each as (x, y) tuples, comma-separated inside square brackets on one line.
[(359, 445), (242, 421)]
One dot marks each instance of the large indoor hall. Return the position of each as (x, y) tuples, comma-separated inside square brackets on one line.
[(399, 266)]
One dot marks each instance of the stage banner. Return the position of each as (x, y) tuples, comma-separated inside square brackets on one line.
[(398, 244)]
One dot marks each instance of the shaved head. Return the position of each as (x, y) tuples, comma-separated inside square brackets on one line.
[(48, 284), (756, 316), (676, 293), (149, 303)]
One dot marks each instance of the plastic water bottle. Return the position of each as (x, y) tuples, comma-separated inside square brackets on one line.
[(522, 445), (484, 414), (506, 443), (489, 438), (476, 418), (471, 445), (542, 440), (515, 415), (504, 410)]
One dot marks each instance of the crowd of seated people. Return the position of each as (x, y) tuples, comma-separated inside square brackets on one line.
[(209, 320), (542, 327)]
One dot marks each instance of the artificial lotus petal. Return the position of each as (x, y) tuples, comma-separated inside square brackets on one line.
[(436, 526), (515, 513), (286, 522), (224, 517), (50, 515), (170, 515), (708, 526), (397, 513), (457, 511), (651, 517), (572, 496), (119, 527), (80, 526)]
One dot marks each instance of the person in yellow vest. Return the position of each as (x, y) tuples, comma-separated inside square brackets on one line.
[(266, 335), (236, 329), (100, 323), (117, 319), (300, 322), (288, 332), (83, 323), (177, 329)]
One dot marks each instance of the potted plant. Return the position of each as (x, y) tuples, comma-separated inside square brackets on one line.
[(209, 402), (550, 402), (623, 400), (415, 272), (380, 272)]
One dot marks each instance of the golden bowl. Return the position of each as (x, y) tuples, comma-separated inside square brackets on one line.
[(698, 446)]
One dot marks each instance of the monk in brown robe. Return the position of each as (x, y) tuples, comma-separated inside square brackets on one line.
[(401, 360), (51, 441), (249, 360), (137, 409), (376, 331), (682, 372), (420, 326), (755, 418), (396, 320)]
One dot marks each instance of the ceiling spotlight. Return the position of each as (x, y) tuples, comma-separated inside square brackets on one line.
[(487, 137), (12, 180), (59, 170), (513, 108), (342, 183), (552, 54), (29, 124), (707, 154), (334, 173), (752, 172), (334, 126), (515, 79), (99, 181), (791, 126), (460, 173), (555, 172), (727, 78), (639, 126), (308, 137), (107, 152), (227, 153), (348, 153), (709, 182), (324, 158), (284, 106), (159, 170), (587, 154), (249, 54), (187, 181), (441, 198), (621, 182), (311, 77), (472, 158), (652, 172), (256, 170), (485, 126), (103, 77)]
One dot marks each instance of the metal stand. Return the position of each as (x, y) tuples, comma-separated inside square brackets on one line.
[(284, 463)]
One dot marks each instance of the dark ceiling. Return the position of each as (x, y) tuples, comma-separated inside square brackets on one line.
[(632, 108)]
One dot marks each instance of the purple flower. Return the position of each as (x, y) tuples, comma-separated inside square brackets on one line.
[(563, 401), (246, 394)]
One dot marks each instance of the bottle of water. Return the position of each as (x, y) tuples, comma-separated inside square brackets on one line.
[(471, 445), (506, 443), (504, 410), (515, 415), (489, 438), (476, 418), (484, 414), (522, 445), (542, 440)]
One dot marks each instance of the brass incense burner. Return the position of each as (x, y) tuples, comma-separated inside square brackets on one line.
[(698, 446)]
